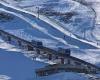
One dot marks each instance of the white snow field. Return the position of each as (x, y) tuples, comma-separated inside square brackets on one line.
[(56, 34), (4, 77), (17, 64), (80, 29)]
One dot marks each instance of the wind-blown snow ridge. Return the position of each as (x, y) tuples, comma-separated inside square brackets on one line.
[(44, 18)]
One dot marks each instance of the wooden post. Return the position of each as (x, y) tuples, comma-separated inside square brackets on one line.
[(8, 38), (68, 61), (19, 43), (50, 56), (38, 51), (30, 48), (62, 60), (56, 57)]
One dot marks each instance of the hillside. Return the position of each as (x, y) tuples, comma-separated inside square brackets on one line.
[(75, 23), (53, 27), (57, 24)]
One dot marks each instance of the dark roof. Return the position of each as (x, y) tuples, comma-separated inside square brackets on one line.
[(77, 59), (62, 67)]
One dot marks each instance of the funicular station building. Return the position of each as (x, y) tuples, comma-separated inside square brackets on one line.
[(61, 57)]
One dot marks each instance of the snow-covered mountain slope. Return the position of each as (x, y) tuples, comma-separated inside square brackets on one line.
[(27, 31), (96, 32), (64, 6), (49, 28), (24, 24), (80, 29), (96, 6), (90, 55)]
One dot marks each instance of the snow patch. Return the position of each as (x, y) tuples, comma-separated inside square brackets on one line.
[(4, 77)]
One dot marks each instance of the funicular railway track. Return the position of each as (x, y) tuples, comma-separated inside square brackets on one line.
[(62, 58), (92, 77)]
